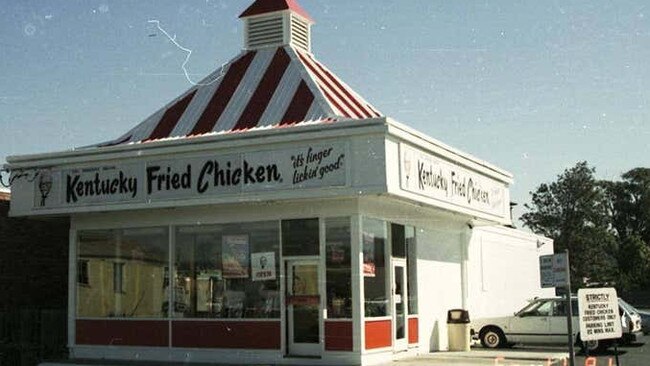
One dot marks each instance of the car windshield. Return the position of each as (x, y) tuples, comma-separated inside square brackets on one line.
[(531, 307)]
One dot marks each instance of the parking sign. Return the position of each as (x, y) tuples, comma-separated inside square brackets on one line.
[(554, 270), (599, 316)]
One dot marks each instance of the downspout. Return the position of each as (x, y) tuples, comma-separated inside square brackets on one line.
[(465, 237)]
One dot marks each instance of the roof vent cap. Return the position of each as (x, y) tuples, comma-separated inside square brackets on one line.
[(274, 23)]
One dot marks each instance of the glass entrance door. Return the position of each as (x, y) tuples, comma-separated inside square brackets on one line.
[(303, 308), (400, 324)]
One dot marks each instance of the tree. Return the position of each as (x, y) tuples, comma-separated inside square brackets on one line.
[(629, 208), (573, 212), (633, 264), (629, 204)]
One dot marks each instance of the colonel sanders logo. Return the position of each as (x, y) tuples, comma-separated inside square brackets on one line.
[(44, 185)]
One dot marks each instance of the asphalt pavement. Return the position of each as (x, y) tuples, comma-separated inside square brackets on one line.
[(632, 355), (637, 354)]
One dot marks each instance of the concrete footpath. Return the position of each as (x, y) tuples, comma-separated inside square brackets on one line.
[(487, 357), (511, 357)]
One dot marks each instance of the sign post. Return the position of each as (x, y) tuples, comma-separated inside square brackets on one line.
[(599, 316), (569, 312), (554, 272)]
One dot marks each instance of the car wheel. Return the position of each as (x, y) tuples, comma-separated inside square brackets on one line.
[(493, 337)]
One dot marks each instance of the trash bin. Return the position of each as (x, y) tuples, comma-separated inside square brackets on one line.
[(458, 330)]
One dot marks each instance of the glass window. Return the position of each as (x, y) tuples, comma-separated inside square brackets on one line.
[(544, 309), (300, 237), (403, 246), (227, 271), (398, 240), (559, 307), (411, 265), (339, 271), (374, 267), (143, 255), (538, 308)]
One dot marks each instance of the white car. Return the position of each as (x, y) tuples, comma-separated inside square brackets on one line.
[(632, 322), (543, 321)]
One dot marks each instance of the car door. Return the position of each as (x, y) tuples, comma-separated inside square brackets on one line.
[(531, 326), (558, 326)]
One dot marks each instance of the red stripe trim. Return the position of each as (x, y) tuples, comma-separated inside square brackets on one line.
[(327, 94), (148, 333), (413, 330), (338, 336), (378, 334), (345, 90), (170, 118), (324, 80), (299, 106), (232, 334), (264, 91), (329, 97), (223, 94), (377, 114)]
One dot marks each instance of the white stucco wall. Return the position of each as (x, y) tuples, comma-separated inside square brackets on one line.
[(439, 284), (503, 270)]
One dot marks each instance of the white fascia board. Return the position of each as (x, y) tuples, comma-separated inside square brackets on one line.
[(471, 216), (419, 139), (514, 233), (398, 210), (202, 143), (307, 195)]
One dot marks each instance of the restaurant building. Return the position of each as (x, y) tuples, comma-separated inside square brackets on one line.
[(271, 214)]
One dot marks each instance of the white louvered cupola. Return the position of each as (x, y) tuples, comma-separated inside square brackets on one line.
[(273, 23)]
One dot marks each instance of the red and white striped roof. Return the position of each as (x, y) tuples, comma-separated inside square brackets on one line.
[(264, 88)]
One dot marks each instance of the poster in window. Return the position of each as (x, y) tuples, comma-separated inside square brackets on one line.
[(368, 255), (263, 266), (235, 254), (203, 293)]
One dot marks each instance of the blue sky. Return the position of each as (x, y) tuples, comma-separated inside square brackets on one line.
[(531, 86)]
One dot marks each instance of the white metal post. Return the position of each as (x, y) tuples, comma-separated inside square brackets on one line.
[(356, 256)]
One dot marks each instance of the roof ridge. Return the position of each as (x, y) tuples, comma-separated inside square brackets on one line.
[(311, 83), (348, 88), (344, 98)]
